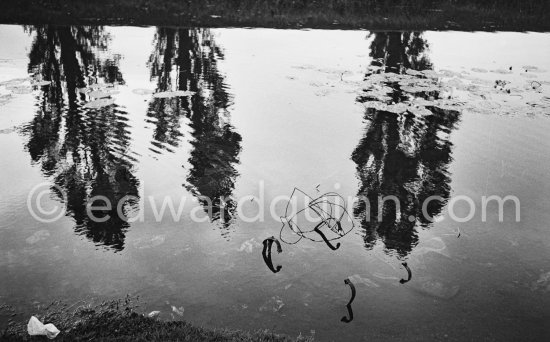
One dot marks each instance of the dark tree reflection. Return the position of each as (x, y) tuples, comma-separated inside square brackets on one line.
[(402, 155), (83, 150), (187, 59)]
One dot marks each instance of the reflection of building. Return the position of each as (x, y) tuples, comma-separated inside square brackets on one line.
[(84, 151), (401, 155), (186, 59)]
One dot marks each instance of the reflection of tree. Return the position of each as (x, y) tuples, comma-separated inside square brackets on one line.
[(186, 59), (397, 51), (402, 155), (83, 150)]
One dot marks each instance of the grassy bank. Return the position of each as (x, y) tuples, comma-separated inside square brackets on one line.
[(118, 321), (367, 14)]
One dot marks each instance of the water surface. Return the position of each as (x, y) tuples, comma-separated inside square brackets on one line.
[(266, 111)]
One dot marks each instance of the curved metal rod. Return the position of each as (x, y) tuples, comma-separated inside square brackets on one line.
[(279, 247), (350, 314), (318, 231), (348, 306), (409, 273), (266, 254)]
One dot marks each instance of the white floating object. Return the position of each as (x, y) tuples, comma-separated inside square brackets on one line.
[(167, 94), (20, 89), (40, 83), (357, 279), (178, 311), (98, 94), (100, 103), (36, 328), (153, 314), (249, 245), (145, 243), (14, 81), (141, 91), (435, 288), (37, 237)]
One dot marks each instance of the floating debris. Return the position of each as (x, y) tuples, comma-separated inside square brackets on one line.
[(528, 75), (37, 328), (433, 245), (361, 280), (99, 94), (178, 311), (502, 71), (149, 243), (153, 314), (274, 304), (420, 92), (20, 89), (38, 236), (434, 288), (40, 83), (168, 94), (141, 91), (8, 130), (4, 99), (15, 81), (330, 210), (543, 283), (384, 276), (249, 245), (100, 103)]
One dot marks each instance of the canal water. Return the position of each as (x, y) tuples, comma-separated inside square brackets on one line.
[(224, 124)]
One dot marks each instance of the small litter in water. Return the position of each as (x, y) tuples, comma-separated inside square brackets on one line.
[(153, 314), (38, 236), (149, 243), (274, 304), (7, 130), (435, 288), (167, 94), (330, 210), (141, 91), (99, 94), (20, 90), (14, 81), (100, 103), (356, 278), (249, 245), (543, 283), (37, 328), (40, 83), (528, 75), (178, 311)]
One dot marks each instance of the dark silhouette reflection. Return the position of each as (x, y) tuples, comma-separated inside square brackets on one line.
[(402, 155), (186, 60), (83, 150), (398, 51)]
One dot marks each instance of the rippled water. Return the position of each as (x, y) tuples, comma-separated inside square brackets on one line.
[(90, 111)]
